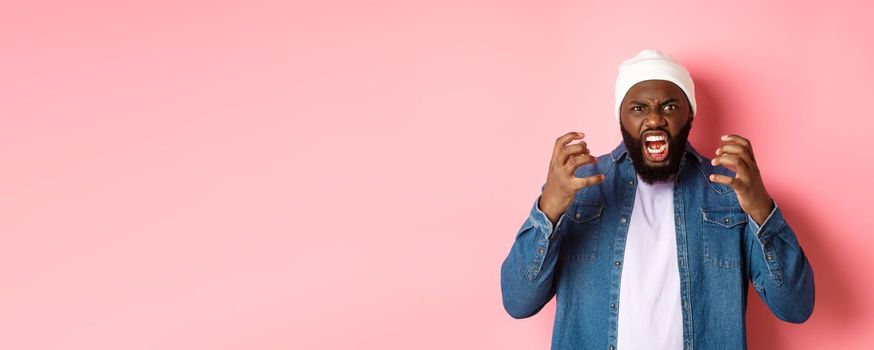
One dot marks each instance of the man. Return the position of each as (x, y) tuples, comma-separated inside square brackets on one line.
[(651, 246)]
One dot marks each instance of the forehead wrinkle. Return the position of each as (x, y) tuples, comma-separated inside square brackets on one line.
[(654, 101)]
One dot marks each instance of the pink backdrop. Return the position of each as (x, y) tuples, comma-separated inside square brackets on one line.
[(350, 174)]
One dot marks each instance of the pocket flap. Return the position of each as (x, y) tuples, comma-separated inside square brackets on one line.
[(725, 217), (585, 211)]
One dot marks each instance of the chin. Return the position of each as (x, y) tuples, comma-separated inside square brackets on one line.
[(652, 164)]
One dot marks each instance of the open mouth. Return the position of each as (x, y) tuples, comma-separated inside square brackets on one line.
[(655, 146)]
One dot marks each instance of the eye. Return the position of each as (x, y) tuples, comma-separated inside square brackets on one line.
[(637, 108), (671, 107)]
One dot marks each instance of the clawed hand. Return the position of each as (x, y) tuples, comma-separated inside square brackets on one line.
[(736, 154)]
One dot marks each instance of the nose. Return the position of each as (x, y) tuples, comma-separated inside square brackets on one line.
[(654, 119)]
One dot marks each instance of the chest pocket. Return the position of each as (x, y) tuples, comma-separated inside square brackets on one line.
[(579, 242), (723, 230)]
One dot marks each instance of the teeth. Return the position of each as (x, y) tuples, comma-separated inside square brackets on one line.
[(658, 149), (655, 138)]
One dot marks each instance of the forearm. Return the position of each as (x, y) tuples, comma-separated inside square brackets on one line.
[(527, 272), (780, 271)]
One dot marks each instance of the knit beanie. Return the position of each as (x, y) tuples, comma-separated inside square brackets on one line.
[(652, 65)]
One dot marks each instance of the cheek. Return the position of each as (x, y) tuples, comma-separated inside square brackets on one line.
[(675, 133), (678, 124), (629, 126)]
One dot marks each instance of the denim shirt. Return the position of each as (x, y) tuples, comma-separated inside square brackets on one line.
[(719, 249)]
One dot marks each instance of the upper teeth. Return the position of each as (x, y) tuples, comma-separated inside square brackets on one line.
[(655, 138)]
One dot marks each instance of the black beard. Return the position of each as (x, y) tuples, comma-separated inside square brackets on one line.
[(651, 174)]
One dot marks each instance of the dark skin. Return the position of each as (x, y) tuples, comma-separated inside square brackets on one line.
[(648, 105)]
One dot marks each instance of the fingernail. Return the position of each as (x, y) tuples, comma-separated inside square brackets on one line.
[(724, 137)]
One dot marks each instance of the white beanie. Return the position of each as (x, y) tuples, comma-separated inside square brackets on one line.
[(652, 65)]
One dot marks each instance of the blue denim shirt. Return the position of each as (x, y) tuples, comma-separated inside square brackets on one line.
[(719, 249)]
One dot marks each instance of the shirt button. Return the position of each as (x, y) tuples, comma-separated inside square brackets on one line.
[(540, 250), (617, 263), (623, 220), (612, 305), (631, 182), (577, 215), (727, 221), (610, 347), (770, 257)]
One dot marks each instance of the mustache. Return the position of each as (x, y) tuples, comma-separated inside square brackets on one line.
[(656, 129)]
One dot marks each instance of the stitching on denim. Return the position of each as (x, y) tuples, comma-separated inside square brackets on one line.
[(711, 257)]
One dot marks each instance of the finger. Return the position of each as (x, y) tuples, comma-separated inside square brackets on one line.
[(733, 163), (583, 182), (738, 150), (737, 138), (572, 150), (727, 160), (580, 160), (564, 140), (722, 179), (741, 141)]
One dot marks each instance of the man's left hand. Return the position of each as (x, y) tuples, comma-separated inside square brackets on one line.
[(736, 154)]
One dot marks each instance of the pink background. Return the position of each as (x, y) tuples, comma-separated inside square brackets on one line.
[(350, 174)]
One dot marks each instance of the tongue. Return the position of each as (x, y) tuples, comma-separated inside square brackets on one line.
[(654, 144), (657, 157)]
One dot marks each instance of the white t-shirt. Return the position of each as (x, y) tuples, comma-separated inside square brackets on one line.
[(650, 315)]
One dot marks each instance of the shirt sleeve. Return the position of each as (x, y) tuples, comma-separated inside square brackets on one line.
[(756, 227), (527, 273), (779, 269), (540, 218)]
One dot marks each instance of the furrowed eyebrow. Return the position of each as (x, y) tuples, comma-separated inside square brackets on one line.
[(642, 103)]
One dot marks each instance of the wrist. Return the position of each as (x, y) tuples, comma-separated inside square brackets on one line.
[(552, 207), (761, 213)]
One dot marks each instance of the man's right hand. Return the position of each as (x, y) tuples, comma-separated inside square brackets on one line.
[(561, 184)]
